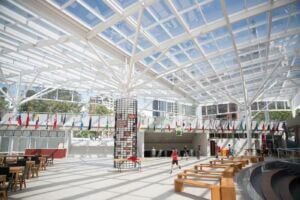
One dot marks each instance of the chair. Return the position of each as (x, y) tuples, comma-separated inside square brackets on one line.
[(9, 177), (3, 188)]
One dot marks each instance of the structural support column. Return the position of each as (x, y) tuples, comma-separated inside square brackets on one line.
[(140, 143), (248, 126)]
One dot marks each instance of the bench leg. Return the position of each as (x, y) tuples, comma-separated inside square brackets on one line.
[(228, 193), (215, 192), (178, 186)]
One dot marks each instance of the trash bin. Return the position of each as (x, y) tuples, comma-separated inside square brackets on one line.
[(153, 152), (191, 152)]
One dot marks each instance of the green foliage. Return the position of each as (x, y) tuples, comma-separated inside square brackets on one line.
[(50, 106), (274, 115), (86, 134), (99, 109), (3, 104)]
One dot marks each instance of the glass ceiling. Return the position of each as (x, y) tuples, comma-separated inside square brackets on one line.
[(202, 51)]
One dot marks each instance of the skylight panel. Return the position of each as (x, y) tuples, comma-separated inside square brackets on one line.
[(220, 32), (279, 25), (147, 19), (127, 46), (257, 19), (125, 3), (193, 53), (212, 11), (251, 3), (187, 44), (167, 62), (159, 34), (16, 9), (174, 49), (209, 47), (125, 28), (294, 21), (83, 14), (239, 25), (161, 10), (174, 27), (262, 31), (158, 68), (224, 43), (193, 18), (148, 60), (181, 57), (112, 35), (144, 43), (181, 5), (100, 7), (242, 37), (204, 37), (234, 6), (60, 2)]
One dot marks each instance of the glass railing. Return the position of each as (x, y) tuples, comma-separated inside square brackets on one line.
[(291, 154)]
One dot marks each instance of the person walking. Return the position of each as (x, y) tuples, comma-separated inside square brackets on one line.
[(198, 152), (186, 153), (174, 157)]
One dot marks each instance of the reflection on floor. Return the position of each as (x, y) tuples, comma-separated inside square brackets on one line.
[(95, 178)]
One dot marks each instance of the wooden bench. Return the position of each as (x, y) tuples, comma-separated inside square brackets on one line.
[(224, 191), (227, 172), (227, 189), (215, 189), (185, 175), (236, 164)]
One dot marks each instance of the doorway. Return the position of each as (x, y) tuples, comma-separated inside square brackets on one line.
[(212, 148)]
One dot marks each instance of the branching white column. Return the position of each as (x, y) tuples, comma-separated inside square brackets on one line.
[(248, 126)]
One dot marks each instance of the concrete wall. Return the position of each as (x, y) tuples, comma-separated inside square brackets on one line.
[(167, 141)]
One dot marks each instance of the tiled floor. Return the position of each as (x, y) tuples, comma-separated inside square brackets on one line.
[(95, 178)]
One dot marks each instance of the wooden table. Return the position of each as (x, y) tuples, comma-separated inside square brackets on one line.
[(30, 166), (15, 171), (3, 191)]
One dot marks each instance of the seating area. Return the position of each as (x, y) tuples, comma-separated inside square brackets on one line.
[(17, 170), (277, 180), (223, 172)]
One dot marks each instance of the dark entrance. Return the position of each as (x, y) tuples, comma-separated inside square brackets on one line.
[(212, 148)]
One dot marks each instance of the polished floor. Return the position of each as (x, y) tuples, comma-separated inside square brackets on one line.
[(95, 178)]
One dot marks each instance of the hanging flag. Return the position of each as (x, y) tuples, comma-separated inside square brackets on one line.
[(65, 118), (36, 126), (98, 124), (241, 126), (81, 122), (228, 126), (47, 121), (273, 128), (178, 131), (183, 124), (190, 127), (27, 120), (268, 129), (107, 123), (221, 126), (148, 123), (256, 126), (9, 122), (61, 118), (73, 123), (233, 128), (19, 120), (169, 127), (263, 127), (90, 123), (55, 121), (277, 127)]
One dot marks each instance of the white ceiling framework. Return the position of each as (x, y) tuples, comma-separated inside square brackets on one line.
[(202, 52)]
